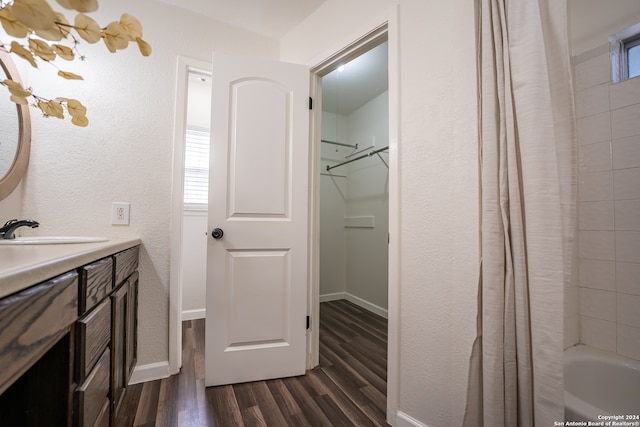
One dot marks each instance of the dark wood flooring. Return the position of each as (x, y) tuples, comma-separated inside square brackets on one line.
[(348, 388)]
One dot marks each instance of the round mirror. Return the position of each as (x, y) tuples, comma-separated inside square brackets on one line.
[(15, 134)]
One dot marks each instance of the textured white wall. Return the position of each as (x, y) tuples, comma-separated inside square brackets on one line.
[(438, 155), (126, 152)]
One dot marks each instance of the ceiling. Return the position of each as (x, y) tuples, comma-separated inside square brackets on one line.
[(269, 18), (362, 79)]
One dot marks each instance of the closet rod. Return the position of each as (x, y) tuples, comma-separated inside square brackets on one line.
[(371, 153), (340, 143)]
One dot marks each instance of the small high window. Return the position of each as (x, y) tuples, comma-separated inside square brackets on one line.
[(632, 49), (625, 54)]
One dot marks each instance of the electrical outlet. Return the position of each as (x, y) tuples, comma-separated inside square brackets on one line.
[(120, 213)]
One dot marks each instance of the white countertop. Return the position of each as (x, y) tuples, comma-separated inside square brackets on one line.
[(22, 266)]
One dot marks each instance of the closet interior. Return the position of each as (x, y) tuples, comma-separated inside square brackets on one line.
[(354, 182)]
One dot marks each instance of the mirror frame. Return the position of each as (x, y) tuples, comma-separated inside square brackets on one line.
[(12, 178)]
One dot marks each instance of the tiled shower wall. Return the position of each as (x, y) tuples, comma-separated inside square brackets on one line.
[(606, 311)]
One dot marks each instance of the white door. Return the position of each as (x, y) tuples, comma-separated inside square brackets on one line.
[(258, 197)]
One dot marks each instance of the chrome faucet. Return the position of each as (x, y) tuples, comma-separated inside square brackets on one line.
[(7, 230)]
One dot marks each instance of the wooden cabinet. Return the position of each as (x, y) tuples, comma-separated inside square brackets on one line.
[(124, 325), (70, 344), (110, 325)]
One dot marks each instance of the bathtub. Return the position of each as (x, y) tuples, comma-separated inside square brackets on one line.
[(597, 384)]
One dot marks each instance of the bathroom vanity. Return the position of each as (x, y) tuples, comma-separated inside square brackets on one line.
[(68, 332)]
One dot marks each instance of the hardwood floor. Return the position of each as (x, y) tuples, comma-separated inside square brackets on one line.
[(348, 388)]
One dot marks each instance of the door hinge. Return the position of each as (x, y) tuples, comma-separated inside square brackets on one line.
[(308, 322), (310, 103)]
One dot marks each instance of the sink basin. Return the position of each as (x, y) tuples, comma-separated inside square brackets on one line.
[(51, 240)]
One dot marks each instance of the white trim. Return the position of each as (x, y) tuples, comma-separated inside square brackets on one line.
[(333, 297), (376, 309), (150, 372), (404, 420), (369, 306), (387, 24), (365, 221), (313, 279), (394, 279), (183, 67), (197, 313)]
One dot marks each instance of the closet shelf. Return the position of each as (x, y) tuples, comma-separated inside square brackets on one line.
[(342, 144)]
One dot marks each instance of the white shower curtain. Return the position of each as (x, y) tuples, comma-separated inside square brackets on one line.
[(528, 204)]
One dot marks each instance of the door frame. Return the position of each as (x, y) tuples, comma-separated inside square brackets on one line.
[(387, 27), (386, 31), (184, 66)]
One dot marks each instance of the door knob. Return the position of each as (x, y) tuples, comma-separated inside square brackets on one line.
[(217, 233)]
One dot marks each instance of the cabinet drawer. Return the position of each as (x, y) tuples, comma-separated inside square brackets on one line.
[(93, 394), (94, 334), (32, 321), (126, 263), (96, 282)]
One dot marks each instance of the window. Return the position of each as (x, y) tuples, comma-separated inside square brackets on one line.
[(625, 54), (196, 168), (632, 48)]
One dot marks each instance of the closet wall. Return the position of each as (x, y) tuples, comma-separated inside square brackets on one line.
[(333, 198), (354, 208)]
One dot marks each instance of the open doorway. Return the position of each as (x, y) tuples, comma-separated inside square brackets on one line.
[(188, 212), (353, 219), (195, 195), (386, 33), (378, 35), (354, 182)]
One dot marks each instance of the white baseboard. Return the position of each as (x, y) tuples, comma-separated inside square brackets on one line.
[(367, 305), (357, 301), (199, 313), (404, 420), (150, 372), (333, 297)]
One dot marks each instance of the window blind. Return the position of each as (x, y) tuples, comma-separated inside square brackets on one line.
[(196, 168)]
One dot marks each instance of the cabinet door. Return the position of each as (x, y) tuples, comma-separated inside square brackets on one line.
[(93, 395), (119, 303), (131, 352)]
